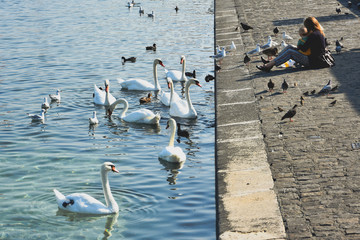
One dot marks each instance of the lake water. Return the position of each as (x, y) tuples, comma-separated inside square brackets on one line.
[(72, 45)]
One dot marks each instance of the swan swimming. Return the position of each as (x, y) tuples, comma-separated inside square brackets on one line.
[(183, 108), (139, 116), (165, 97), (100, 96), (84, 203), (171, 153), (176, 75), (142, 85)]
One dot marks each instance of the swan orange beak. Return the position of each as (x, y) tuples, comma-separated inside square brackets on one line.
[(114, 169), (198, 84), (181, 60), (161, 63), (107, 88), (169, 85)]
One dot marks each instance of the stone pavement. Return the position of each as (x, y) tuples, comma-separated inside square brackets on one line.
[(279, 179)]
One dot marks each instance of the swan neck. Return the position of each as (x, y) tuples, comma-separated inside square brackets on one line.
[(109, 199), (107, 97), (187, 95), (172, 136), (183, 70), (171, 91), (156, 82), (114, 104)]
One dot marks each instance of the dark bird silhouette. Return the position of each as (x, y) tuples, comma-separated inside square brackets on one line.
[(271, 85), (217, 67), (349, 4), (339, 46), (71, 202), (270, 52), (290, 114), (191, 74), (306, 93), (182, 133), (264, 60), (326, 89), (284, 86), (276, 31), (247, 59), (209, 78), (145, 99), (176, 9), (280, 109), (338, 10), (334, 88), (153, 47), (130, 59), (313, 92), (302, 100), (332, 103), (246, 26)]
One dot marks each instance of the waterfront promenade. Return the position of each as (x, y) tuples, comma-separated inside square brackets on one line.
[(279, 179)]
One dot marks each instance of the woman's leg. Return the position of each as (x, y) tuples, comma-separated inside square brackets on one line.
[(291, 54)]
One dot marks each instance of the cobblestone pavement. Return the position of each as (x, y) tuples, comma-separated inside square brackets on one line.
[(314, 162)]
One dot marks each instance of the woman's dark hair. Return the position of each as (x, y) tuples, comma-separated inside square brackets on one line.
[(313, 24)]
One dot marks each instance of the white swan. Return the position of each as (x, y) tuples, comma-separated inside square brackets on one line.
[(55, 97), (93, 120), (165, 97), (83, 203), (171, 153), (100, 95), (142, 85), (139, 116), (183, 108), (176, 75), (45, 105)]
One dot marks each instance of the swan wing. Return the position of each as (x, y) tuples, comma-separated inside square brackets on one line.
[(99, 96), (175, 75), (172, 154), (137, 84), (165, 97), (179, 108), (81, 203), (142, 116)]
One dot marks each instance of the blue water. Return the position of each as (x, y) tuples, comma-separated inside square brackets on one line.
[(72, 45)]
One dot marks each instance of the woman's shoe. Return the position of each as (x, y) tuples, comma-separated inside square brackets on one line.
[(263, 68), (264, 60)]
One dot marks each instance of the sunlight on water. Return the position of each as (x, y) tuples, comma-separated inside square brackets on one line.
[(72, 45)]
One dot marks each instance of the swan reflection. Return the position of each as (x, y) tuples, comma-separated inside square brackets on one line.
[(173, 169)]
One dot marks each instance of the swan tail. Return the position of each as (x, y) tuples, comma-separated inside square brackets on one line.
[(120, 80), (157, 118)]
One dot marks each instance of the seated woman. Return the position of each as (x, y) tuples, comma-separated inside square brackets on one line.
[(315, 42)]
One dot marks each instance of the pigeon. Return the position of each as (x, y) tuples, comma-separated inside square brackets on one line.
[(290, 114), (93, 120), (338, 47), (271, 85), (176, 9), (141, 10), (306, 93), (276, 31), (182, 133), (247, 59), (338, 9), (217, 67), (55, 97), (284, 86), (332, 103), (191, 74), (45, 105), (254, 51), (286, 37), (38, 118), (313, 92), (326, 89), (283, 44), (153, 47), (270, 52), (280, 109), (245, 26), (334, 88), (209, 78), (302, 100), (130, 59)]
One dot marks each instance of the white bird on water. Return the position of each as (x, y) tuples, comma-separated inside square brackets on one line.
[(38, 118), (45, 105), (93, 120), (55, 97)]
